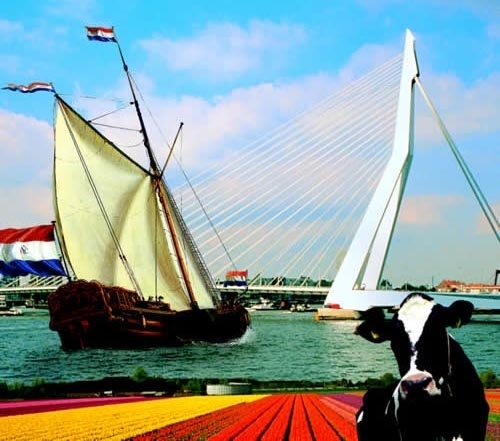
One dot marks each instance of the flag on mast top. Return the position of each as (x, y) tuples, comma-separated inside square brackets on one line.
[(30, 88), (100, 33)]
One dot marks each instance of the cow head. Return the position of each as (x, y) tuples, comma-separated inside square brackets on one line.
[(419, 340)]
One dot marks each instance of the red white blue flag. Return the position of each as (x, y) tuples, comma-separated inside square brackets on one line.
[(236, 278), (100, 33), (29, 251), (30, 88)]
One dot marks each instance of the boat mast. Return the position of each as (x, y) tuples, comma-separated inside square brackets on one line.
[(156, 175)]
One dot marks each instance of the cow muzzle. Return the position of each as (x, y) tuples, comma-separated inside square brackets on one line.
[(418, 383)]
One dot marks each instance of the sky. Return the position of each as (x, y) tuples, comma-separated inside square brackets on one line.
[(233, 70)]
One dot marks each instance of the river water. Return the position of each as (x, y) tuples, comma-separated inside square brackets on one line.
[(279, 346)]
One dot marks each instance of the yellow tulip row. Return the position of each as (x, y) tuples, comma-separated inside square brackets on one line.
[(113, 422)]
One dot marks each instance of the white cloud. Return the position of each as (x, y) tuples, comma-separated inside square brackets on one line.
[(10, 63), (464, 109), (24, 140), (70, 8), (226, 49), (366, 58), (229, 122), (9, 28), (482, 224), (16, 32), (25, 205), (493, 30), (26, 148), (428, 209)]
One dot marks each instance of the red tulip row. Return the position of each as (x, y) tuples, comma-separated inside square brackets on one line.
[(306, 417), (280, 424), (257, 419), (294, 417), (321, 426), (300, 427), (493, 397)]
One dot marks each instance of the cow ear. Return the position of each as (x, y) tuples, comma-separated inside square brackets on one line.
[(459, 313), (375, 327)]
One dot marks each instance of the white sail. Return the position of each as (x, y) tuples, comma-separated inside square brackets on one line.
[(99, 192)]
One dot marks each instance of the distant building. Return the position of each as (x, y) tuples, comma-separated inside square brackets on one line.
[(457, 286)]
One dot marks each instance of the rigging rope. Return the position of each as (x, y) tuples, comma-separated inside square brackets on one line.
[(303, 188)]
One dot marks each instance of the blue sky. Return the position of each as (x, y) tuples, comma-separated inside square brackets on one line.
[(233, 70)]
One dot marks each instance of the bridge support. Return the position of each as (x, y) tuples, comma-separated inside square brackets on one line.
[(364, 261), (355, 288)]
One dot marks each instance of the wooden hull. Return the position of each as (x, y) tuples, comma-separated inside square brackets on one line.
[(88, 314)]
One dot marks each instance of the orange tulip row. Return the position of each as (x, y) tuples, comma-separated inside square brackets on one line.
[(115, 421)]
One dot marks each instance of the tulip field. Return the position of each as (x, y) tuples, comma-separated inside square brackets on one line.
[(301, 416)]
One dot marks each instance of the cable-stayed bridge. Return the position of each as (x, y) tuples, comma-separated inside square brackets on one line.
[(317, 199), (320, 195), (289, 203)]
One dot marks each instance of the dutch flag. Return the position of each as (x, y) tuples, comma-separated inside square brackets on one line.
[(100, 33)]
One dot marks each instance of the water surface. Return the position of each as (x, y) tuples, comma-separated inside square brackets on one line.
[(279, 346)]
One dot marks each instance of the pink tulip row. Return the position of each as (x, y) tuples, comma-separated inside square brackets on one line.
[(24, 407), (353, 399), (346, 411)]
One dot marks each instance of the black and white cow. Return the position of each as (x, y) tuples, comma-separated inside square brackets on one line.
[(439, 395)]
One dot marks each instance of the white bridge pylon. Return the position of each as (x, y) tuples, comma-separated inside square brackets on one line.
[(355, 286)]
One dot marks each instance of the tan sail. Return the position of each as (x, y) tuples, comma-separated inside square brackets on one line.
[(99, 192)]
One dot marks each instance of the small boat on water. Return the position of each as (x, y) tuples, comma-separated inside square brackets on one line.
[(263, 305), (301, 307), (8, 312), (136, 276)]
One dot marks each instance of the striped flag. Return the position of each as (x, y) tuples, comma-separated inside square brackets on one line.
[(30, 88), (29, 251), (236, 278), (100, 33)]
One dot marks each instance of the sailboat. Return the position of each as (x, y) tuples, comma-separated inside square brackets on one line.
[(136, 276)]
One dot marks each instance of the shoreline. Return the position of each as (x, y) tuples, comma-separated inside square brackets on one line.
[(143, 385)]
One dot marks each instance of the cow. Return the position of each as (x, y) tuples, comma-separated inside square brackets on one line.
[(439, 395)]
